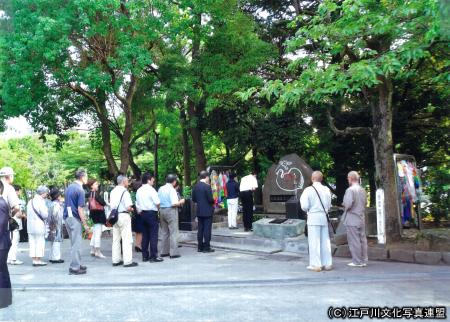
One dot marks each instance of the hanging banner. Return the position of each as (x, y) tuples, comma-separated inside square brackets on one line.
[(380, 217)]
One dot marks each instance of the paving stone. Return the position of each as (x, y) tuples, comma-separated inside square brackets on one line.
[(429, 258), (401, 255), (342, 251), (446, 257), (377, 253)]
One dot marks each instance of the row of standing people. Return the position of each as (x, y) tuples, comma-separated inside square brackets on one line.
[(157, 210)]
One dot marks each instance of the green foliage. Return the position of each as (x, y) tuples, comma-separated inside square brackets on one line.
[(36, 162), (438, 188), (357, 43)]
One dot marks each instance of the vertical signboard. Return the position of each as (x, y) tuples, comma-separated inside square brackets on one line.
[(380, 217)]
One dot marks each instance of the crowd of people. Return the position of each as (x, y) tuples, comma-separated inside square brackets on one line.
[(152, 214)]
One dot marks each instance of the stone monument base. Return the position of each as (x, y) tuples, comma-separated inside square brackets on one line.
[(286, 229)]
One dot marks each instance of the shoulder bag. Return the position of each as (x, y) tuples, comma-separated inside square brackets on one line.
[(326, 212), (114, 215), (37, 213)]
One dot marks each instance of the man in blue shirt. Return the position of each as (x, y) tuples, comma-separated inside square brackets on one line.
[(75, 218), (169, 217)]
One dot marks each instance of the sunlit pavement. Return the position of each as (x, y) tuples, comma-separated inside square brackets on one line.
[(222, 286)]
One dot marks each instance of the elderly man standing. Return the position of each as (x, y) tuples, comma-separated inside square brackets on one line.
[(75, 218), (147, 204), (12, 199), (169, 217), (355, 201), (316, 201), (120, 199)]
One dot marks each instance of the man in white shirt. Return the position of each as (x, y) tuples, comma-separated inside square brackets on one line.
[(169, 217), (246, 188), (120, 199), (12, 198), (316, 201), (147, 204)]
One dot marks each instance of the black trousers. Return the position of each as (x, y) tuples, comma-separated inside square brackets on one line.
[(5, 282), (150, 225), (247, 205), (204, 232)]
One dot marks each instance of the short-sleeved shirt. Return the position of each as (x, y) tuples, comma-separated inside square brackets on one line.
[(10, 195), (147, 198), (116, 195), (167, 195), (248, 183), (74, 198)]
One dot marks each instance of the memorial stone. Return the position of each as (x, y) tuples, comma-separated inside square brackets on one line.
[(284, 180)]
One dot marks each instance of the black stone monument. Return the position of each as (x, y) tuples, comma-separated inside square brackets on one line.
[(285, 180)]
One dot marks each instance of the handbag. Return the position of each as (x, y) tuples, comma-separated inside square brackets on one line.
[(326, 212), (94, 204), (13, 224), (114, 215)]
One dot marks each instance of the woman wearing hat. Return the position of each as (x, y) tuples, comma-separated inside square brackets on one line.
[(55, 223), (37, 214)]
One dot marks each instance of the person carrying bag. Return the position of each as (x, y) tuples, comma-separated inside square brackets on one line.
[(315, 201)]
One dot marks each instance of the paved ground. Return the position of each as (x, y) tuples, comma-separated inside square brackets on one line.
[(224, 286)]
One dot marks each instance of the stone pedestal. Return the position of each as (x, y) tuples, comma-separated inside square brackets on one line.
[(186, 217), (289, 228)]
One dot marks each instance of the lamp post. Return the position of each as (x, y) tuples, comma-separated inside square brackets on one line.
[(155, 154)]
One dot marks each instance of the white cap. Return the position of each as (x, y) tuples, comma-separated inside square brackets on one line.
[(6, 171)]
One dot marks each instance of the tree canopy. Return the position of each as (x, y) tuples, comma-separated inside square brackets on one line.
[(174, 86)]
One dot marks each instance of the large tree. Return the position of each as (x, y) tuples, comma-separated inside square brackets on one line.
[(350, 53), (88, 56), (216, 53)]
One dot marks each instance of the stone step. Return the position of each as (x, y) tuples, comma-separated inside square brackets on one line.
[(241, 247), (249, 242)]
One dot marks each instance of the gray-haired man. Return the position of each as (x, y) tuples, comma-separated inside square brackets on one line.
[(355, 200), (120, 199)]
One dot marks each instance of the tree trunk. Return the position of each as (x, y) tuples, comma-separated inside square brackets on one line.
[(134, 167), (384, 160), (106, 141), (193, 113), (125, 142), (186, 151), (197, 142)]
